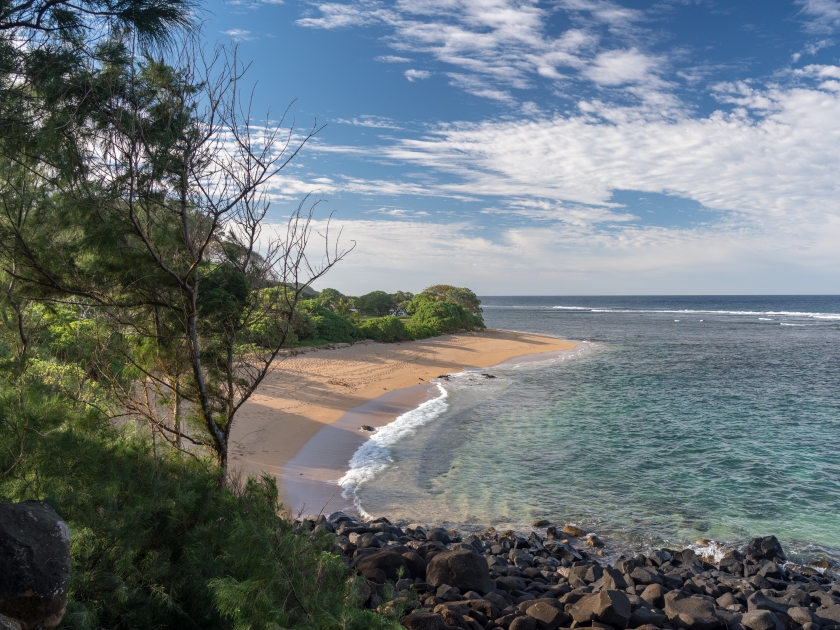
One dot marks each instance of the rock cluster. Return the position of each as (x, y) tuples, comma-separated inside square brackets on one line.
[(530, 582)]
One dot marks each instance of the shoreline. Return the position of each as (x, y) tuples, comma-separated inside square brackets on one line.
[(301, 426)]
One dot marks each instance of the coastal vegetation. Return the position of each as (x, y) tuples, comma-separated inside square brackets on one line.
[(142, 306)]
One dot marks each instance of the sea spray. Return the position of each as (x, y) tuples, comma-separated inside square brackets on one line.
[(375, 454)]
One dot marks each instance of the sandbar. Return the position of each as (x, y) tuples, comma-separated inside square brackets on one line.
[(341, 389)]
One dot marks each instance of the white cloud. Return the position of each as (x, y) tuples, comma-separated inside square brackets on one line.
[(414, 75), (773, 161), (479, 87), (368, 120), (504, 44), (239, 34), (334, 15), (823, 15), (619, 67), (392, 59), (412, 254)]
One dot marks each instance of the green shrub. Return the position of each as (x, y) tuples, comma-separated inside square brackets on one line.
[(329, 326), (446, 317), (156, 544), (387, 329), (447, 293), (421, 331)]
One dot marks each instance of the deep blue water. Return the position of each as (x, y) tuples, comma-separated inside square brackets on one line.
[(681, 417)]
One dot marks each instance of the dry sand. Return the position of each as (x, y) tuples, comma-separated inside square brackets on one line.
[(305, 394)]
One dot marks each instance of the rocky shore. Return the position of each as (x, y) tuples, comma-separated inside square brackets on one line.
[(442, 580)]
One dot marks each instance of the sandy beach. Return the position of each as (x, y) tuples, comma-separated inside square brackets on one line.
[(305, 394)]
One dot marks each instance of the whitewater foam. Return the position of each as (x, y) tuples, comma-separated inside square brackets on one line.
[(375, 454), (805, 314)]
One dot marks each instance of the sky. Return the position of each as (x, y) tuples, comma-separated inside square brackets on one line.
[(570, 147)]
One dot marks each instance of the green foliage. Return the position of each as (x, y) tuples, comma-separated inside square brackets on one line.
[(420, 331), (328, 296), (376, 303), (446, 317), (387, 329), (270, 317), (448, 293), (401, 301), (330, 327), (156, 544)]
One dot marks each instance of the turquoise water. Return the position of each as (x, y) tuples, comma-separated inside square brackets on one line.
[(678, 418)]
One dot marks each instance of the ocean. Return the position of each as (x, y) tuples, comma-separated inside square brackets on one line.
[(675, 418)]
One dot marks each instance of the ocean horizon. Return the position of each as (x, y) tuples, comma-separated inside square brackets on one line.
[(675, 418)]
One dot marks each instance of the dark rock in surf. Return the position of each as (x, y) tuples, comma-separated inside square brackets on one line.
[(574, 531), (767, 548)]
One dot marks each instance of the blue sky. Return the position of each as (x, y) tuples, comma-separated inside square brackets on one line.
[(564, 147)]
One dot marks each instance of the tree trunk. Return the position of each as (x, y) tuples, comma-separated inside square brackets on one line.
[(176, 412)]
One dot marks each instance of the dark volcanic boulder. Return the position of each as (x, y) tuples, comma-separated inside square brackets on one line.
[(760, 601), (389, 562), (463, 569), (523, 623), (609, 607), (438, 534), (422, 620), (829, 616), (647, 614), (548, 613), (510, 583), (34, 564), (415, 564), (761, 620), (766, 548), (693, 613)]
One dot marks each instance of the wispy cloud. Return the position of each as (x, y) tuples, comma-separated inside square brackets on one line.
[(767, 163), (374, 122), (506, 44), (415, 75), (240, 35), (392, 59), (823, 16)]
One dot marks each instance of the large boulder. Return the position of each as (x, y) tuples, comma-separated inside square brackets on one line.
[(761, 620), (415, 564), (34, 564), (647, 614), (389, 562), (767, 548), (692, 613), (438, 534), (423, 620), (463, 569), (548, 613), (609, 607), (829, 616), (525, 622), (760, 601)]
